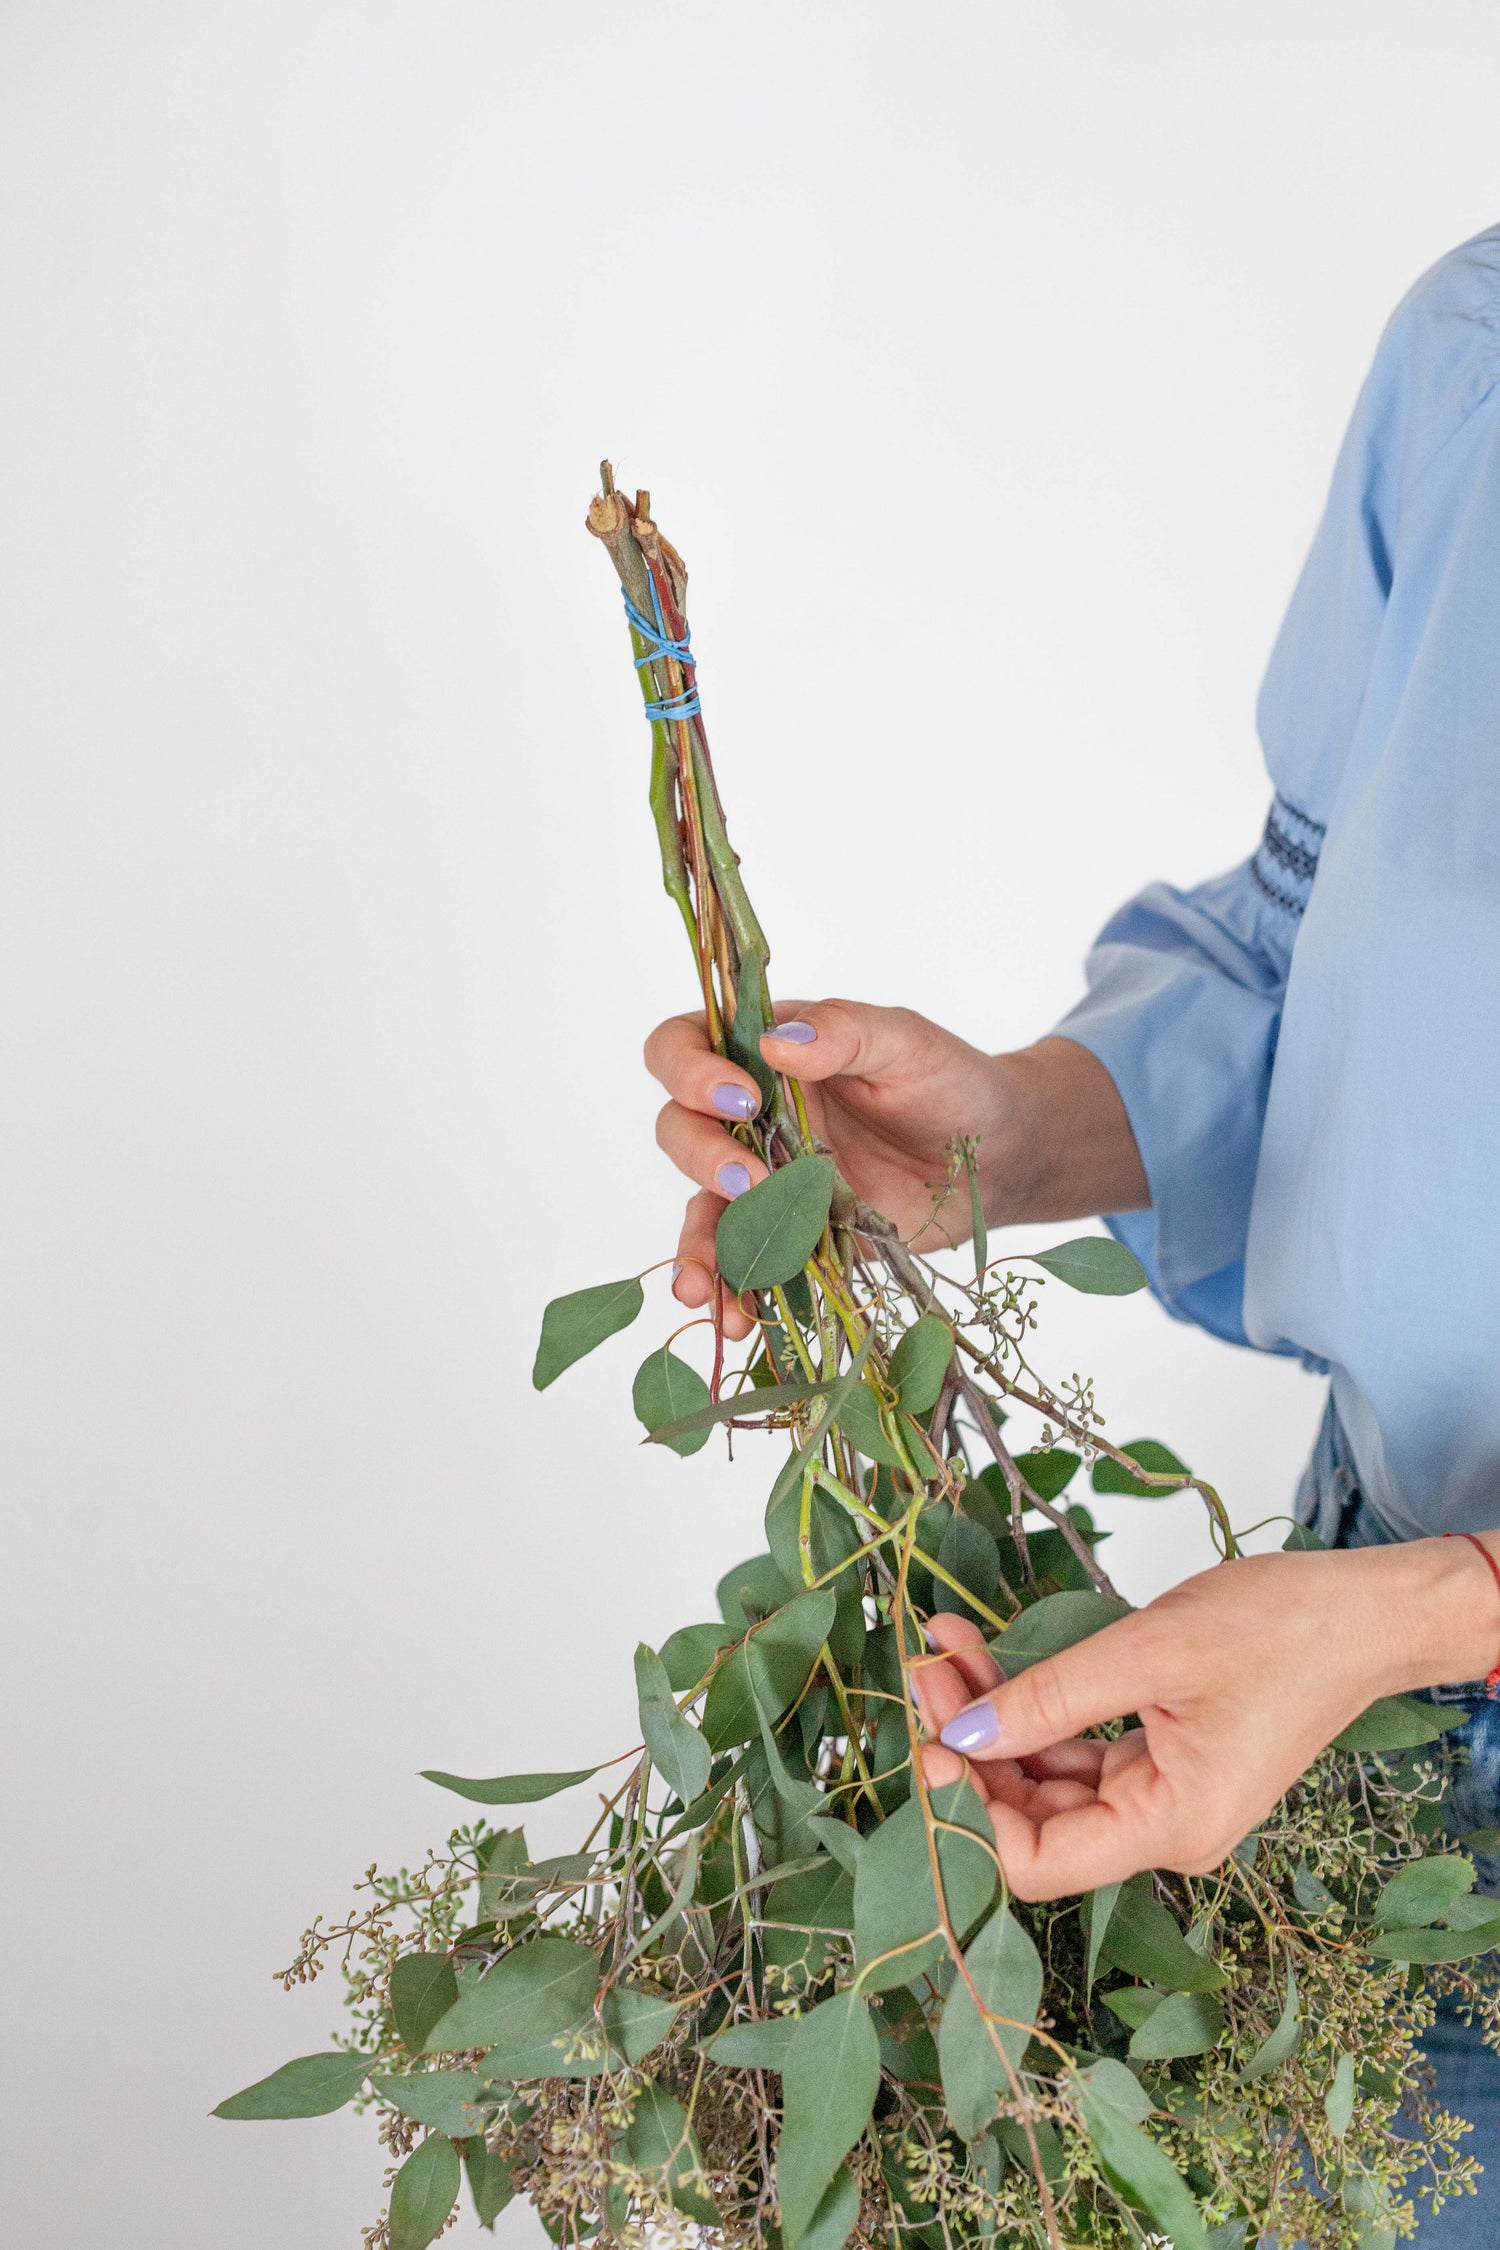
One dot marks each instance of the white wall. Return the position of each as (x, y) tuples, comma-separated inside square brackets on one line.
[(987, 361)]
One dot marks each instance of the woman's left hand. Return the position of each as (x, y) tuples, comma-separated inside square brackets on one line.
[(1239, 1677)]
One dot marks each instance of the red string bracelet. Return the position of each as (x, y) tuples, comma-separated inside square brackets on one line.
[(1492, 1681)]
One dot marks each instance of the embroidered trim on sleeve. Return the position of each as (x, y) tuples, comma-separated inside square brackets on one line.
[(1287, 860)]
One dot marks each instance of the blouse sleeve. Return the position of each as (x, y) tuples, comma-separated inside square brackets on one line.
[(1183, 1008)]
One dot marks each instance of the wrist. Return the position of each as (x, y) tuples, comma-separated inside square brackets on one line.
[(1442, 1611), (1060, 1145)]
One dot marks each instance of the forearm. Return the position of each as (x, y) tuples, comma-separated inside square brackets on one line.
[(1062, 1147)]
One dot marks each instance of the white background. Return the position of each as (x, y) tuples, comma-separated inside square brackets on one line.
[(987, 362)]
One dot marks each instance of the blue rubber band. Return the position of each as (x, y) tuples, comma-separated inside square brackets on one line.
[(660, 643)]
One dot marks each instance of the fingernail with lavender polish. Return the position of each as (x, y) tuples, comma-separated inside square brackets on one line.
[(732, 1179), (974, 1729), (800, 1034), (735, 1101), (928, 1637)]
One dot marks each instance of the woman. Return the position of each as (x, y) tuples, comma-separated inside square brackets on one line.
[(1284, 1088)]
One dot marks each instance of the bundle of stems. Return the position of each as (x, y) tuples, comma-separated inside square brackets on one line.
[(781, 1995)]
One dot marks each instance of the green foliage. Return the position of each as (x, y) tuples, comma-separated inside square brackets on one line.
[(490, 2182), (1184, 2023), (574, 1326), (312, 2086), (677, 1748), (1048, 1473), (896, 1920), (661, 2143), (666, 1389), (1114, 2108), (830, 2077), (1423, 1890), (423, 2192), (980, 2054), (1095, 1263), (1153, 1456), (1281, 2044), (1056, 1622), (1398, 1722), (446, 2100), (1144, 1938), (920, 1363), (768, 1234), (512, 1788), (423, 1988)]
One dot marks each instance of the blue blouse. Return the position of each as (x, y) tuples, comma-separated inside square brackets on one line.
[(1309, 1046)]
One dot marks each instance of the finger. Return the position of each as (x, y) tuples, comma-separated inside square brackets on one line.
[(693, 1283), (964, 1645), (1002, 1783), (1049, 1797), (679, 1055), (1075, 1849), (707, 1153), (847, 1039), (940, 1690), (1068, 1761), (1107, 1676)]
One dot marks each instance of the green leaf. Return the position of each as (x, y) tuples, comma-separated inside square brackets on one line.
[(512, 1788), (1111, 2116), (1302, 1540), (1338, 2102), (979, 1232), (423, 1987), (830, 2077), (666, 1388), (1281, 2044), (787, 1647), (896, 1930), (1422, 1891), (833, 2222), (1145, 1941), (312, 2086), (1154, 1457), (742, 1035), (637, 2020), (970, 1554), (920, 1363), (1007, 1974), (423, 2192), (1048, 1473), (445, 2100), (542, 1990), (1186, 2023), (769, 1233), (753, 1591), (859, 1419), (1132, 2003), (690, 1651), (744, 1406), (819, 1900), (573, 1326), (1312, 1896), (490, 2182), (1398, 1722), (784, 1507), (677, 1749), (660, 2142), (1470, 1911), (1097, 1909), (1056, 1622), (836, 1836), (1095, 1263), (1484, 1840), (754, 2046), (1435, 1945)]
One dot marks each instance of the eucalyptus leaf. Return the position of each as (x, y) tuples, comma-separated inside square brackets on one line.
[(754, 2046), (1111, 2117), (1056, 1622), (1398, 1722), (970, 1555), (445, 2100), (1280, 2045), (573, 1326), (660, 2142), (859, 1420), (753, 1591), (742, 1407), (512, 1788), (665, 1390), (1423, 1890), (783, 1514), (813, 1909), (1338, 2102), (768, 1234), (1302, 1540), (833, 2222), (896, 1929), (743, 1033), (423, 2192), (1483, 1840), (830, 2077), (1143, 1939), (1153, 1456), (981, 2056), (1186, 2023), (637, 2020), (787, 1646), (1098, 1906), (688, 1654), (542, 1990), (1314, 1897), (423, 1988), (838, 1838), (920, 1363), (1435, 1945), (1133, 2003), (490, 2182), (677, 1749), (978, 1231), (1048, 1473), (1094, 1263), (312, 2086)]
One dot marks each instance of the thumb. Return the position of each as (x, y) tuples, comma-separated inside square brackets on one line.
[(821, 1039), (1108, 1676)]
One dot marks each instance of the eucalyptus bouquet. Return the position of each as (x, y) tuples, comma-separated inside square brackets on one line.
[(779, 1993)]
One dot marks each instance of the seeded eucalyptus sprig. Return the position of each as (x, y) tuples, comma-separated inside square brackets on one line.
[(780, 1995)]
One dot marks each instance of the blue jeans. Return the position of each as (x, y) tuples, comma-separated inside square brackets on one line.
[(1468, 2072)]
